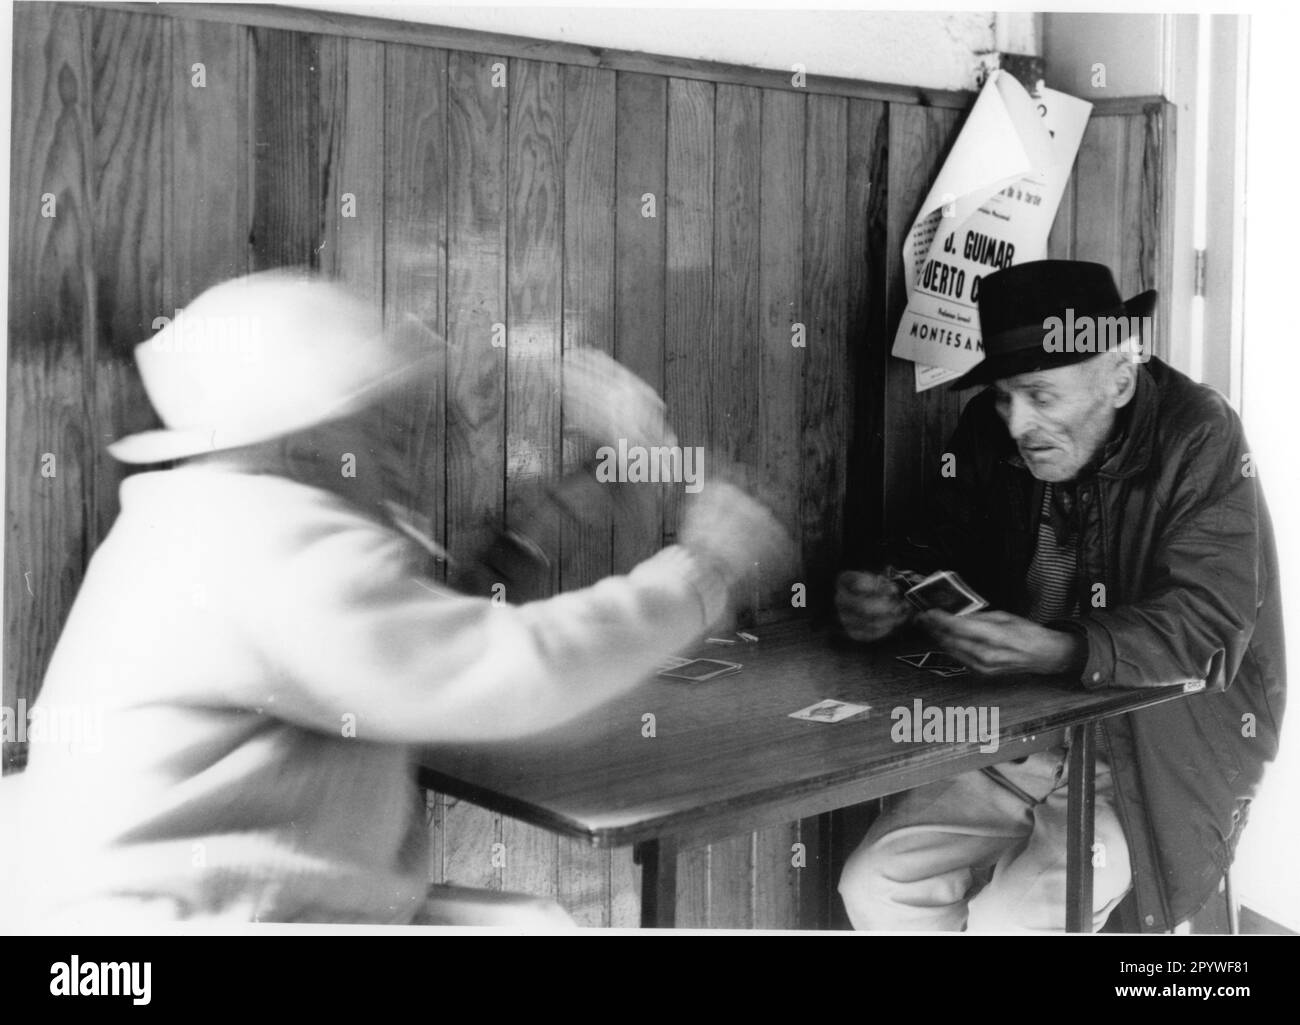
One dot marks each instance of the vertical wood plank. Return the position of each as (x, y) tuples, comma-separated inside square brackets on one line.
[(1060, 240), (287, 228), (689, 351), (52, 317), (415, 287), (780, 304), (733, 380), (866, 206), (586, 548), (1099, 179), (919, 425), (534, 276), (826, 398), (476, 301), (415, 249), (211, 187), (866, 213), (351, 157), (131, 117), (639, 199)]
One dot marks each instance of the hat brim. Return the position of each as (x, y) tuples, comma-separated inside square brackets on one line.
[(165, 444), (1034, 357)]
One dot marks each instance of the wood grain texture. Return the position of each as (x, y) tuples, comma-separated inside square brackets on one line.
[(919, 425), (586, 874), (689, 350), (477, 191), (350, 152), (211, 184), (781, 307), (414, 261), (52, 318), (867, 337), (131, 124), (826, 413), (641, 103), (534, 264), (287, 218)]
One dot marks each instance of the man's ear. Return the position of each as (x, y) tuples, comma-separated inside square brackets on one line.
[(1123, 380)]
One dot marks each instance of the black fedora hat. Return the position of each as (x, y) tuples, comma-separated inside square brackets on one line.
[(1016, 307)]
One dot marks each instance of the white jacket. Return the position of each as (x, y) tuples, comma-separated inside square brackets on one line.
[(260, 656)]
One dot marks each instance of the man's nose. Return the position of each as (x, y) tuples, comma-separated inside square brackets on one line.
[(1019, 418)]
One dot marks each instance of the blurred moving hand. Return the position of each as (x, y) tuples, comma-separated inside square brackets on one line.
[(869, 605), (736, 535), (603, 402)]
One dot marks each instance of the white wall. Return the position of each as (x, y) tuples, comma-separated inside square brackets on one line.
[(938, 50)]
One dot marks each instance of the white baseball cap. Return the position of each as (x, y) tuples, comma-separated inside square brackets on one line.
[(265, 355)]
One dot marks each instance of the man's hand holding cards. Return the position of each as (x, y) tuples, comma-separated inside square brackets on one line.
[(945, 591)]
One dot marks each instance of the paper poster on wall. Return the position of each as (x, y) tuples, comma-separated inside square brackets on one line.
[(991, 205)]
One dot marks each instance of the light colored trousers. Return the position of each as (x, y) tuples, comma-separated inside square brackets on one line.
[(968, 853)]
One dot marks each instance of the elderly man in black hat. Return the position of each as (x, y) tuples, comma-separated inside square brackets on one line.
[(1108, 508)]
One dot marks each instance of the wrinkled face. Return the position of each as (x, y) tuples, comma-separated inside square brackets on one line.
[(1059, 418)]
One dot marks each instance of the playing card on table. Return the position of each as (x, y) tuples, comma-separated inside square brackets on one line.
[(938, 662), (829, 710)]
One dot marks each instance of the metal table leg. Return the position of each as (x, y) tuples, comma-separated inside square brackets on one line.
[(1079, 829), (658, 861)]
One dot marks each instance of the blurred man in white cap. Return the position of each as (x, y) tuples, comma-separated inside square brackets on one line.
[(264, 645)]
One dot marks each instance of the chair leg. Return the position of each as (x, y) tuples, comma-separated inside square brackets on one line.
[(1234, 912)]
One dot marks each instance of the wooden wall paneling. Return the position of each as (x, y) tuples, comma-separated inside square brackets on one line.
[(210, 216), (778, 304), (1060, 240), (827, 394), (534, 280), (1099, 176), (477, 191), (52, 318), (639, 200), (131, 57), (734, 382), (919, 425), (1158, 185), (351, 148), (867, 332), (414, 261), (415, 287), (287, 217), (781, 307), (826, 414), (869, 343), (586, 874), (689, 347), (1144, 260)]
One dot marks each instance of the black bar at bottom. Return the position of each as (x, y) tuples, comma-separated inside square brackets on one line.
[(1079, 828)]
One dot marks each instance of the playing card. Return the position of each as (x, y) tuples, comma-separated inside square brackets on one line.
[(697, 670), (829, 710), (671, 662), (938, 662), (947, 591)]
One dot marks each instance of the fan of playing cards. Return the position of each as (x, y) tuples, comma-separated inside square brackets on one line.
[(944, 590)]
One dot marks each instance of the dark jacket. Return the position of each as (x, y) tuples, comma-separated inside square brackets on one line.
[(1173, 525)]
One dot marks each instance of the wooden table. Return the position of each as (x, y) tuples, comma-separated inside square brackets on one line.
[(726, 758)]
